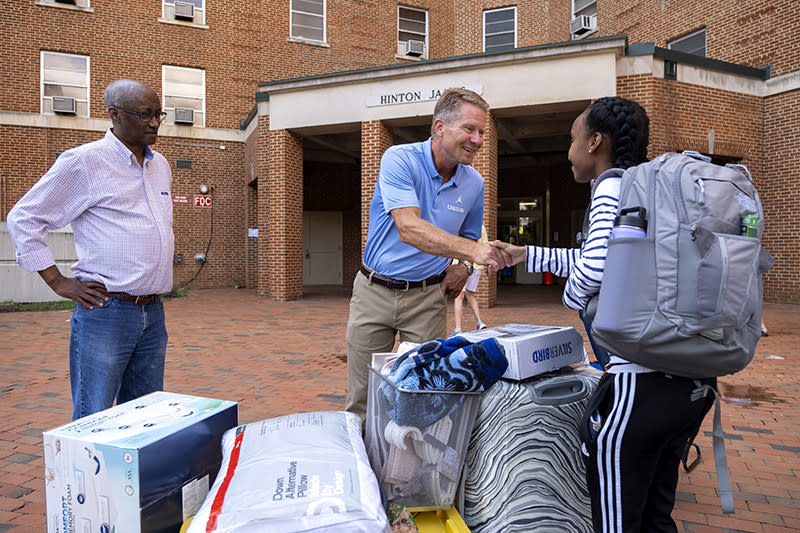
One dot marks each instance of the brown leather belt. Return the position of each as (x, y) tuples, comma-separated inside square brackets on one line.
[(138, 300), (399, 284)]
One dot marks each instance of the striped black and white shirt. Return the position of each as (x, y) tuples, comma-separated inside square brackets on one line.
[(583, 266)]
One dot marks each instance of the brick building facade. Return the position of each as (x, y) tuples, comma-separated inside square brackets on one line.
[(289, 124)]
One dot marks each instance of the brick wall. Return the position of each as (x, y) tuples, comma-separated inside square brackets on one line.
[(245, 43), (220, 232), (283, 263), (752, 32), (376, 138), (29, 152), (682, 117), (486, 163), (262, 141), (538, 22), (780, 194)]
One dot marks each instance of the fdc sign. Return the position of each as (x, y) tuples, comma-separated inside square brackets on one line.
[(202, 201)]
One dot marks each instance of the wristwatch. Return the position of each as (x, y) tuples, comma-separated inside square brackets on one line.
[(467, 264)]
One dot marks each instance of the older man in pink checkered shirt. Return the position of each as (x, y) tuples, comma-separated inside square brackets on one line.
[(115, 193)]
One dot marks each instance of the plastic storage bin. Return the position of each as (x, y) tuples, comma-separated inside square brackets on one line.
[(417, 466)]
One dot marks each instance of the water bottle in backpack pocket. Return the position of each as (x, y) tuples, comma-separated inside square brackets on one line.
[(628, 298)]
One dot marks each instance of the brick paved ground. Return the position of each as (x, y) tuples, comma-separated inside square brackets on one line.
[(276, 358)]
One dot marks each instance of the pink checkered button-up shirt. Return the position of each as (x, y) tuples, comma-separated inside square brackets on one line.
[(120, 212)]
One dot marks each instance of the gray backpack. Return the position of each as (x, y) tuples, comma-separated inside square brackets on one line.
[(686, 298)]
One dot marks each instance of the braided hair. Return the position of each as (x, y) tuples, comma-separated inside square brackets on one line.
[(626, 125)]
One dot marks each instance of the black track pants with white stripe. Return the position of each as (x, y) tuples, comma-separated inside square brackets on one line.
[(632, 461)]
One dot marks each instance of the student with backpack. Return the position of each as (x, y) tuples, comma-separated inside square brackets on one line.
[(638, 421)]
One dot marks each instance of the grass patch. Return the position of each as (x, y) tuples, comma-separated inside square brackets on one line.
[(176, 293), (58, 305), (62, 305)]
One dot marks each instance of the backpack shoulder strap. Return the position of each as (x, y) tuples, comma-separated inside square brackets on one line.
[(610, 173)]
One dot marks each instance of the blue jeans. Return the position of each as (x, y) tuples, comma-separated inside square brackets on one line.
[(115, 351)]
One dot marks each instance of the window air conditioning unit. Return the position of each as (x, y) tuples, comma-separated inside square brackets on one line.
[(184, 10), (582, 24), (63, 104), (414, 48), (184, 115)]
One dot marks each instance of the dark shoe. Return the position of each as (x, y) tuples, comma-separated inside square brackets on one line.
[(764, 333)]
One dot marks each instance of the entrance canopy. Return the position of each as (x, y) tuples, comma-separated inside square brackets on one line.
[(534, 94)]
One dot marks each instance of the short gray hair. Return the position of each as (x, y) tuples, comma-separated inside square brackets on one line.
[(118, 91), (448, 107)]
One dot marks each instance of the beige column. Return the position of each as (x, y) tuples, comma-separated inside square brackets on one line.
[(486, 163)]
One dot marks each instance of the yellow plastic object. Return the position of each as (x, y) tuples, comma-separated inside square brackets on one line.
[(440, 521), (185, 525)]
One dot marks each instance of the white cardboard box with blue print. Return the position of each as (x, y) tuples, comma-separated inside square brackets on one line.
[(144, 466), (532, 350)]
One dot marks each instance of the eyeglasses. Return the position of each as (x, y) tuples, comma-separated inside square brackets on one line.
[(147, 117)]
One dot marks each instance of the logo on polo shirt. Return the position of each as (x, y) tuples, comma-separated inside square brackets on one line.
[(457, 209)]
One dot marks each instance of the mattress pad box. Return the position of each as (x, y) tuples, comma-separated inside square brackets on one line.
[(142, 466)]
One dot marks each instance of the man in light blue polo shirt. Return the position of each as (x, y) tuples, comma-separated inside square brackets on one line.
[(426, 210)]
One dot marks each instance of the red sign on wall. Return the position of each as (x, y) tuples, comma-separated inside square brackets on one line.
[(180, 199), (202, 201)]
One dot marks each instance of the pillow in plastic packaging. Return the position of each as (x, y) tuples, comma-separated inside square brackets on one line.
[(300, 472)]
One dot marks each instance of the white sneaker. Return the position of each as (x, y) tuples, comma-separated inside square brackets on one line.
[(456, 331), (481, 325)]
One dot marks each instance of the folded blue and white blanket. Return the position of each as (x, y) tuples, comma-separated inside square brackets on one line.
[(452, 364)]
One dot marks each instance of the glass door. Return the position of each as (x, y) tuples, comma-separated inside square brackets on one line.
[(520, 221)]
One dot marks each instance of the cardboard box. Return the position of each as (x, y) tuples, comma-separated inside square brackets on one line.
[(533, 350), (142, 466)]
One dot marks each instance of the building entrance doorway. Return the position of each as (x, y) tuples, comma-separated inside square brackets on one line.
[(322, 248), (520, 221)]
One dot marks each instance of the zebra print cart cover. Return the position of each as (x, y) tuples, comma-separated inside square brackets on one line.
[(523, 470)]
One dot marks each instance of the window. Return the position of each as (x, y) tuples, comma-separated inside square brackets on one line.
[(694, 43), (500, 29), (82, 5), (308, 19), (184, 10), (412, 25), (184, 95), (584, 18), (584, 7), (65, 81)]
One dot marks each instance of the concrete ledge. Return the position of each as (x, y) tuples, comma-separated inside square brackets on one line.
[(18, 285)]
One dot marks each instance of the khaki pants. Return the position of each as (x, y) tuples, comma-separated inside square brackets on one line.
[(377, 314)]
